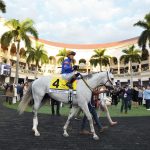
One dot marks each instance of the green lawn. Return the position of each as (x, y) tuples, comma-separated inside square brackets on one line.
[(114, 110)]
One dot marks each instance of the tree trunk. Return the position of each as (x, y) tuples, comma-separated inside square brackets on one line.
[(100, 64), (131, 74), (36, 71), (17, 63)]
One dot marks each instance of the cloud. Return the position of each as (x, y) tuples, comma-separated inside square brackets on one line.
[(81, 21)]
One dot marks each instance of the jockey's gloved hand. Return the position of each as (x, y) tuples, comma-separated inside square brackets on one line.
[(79, 74), (75, 67)]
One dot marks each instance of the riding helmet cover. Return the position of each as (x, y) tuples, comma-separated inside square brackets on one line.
[(71, 53)]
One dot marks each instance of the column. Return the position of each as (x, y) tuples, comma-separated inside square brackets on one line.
[(129, 68), (139, 70), (118, 61), (149, 61), (8, 55)]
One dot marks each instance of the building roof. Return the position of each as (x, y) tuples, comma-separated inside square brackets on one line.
[(90, 46)]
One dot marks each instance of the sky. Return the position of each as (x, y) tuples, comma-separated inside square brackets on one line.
[(81, 21)]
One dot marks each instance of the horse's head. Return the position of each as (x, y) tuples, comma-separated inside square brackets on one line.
[(106, 79)]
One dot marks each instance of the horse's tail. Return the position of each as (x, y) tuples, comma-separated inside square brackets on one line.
[(25, 100)]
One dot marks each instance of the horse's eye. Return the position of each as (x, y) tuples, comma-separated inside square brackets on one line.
[(112, 79)]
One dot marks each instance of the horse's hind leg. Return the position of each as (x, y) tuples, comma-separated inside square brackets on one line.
[(35, 117), (73, 111)]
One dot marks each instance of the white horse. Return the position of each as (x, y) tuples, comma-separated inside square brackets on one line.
[(40, 87)]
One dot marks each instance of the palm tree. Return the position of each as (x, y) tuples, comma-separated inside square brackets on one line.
[(19, 31), (145, 35), (99, 58), (2, 6), (131, 55), (62, 54), (52, 60), (145, 54), (82, 60), (37, 55)]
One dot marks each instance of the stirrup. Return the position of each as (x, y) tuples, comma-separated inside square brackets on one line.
[(69, 85)]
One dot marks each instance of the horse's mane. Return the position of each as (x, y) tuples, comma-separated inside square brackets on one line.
[(90, 75)]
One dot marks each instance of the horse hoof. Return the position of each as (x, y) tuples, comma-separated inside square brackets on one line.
[(65, 135), (96, 137), (37, 134)]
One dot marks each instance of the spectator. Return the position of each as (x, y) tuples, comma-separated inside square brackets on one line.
[(114, 95), (18, 91), (126, 98), (57, 103), (146, 95), (130, 92), (25, 88), (9, 93), (140, 96), (135, 96), (15, 93)]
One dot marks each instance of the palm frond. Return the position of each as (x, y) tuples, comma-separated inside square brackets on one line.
[(6, 38), (142, 24), (2, 6)]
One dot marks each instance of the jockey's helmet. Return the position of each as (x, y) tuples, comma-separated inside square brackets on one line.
[(71, 53)]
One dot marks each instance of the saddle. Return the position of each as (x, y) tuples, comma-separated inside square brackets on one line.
[(58, 85)]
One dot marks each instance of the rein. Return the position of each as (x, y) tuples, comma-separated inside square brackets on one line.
[(91, 89)]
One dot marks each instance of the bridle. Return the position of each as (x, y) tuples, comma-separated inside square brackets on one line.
[(104, 84), (108, 80)]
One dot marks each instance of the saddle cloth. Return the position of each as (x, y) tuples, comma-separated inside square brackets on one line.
[(58, 85)]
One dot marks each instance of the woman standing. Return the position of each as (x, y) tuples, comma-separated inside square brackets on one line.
[(146, 96), (135, 96)]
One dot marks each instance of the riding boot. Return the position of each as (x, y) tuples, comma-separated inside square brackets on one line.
[(70, 81)]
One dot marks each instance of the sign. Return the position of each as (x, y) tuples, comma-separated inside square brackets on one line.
[(59, 83), (5, 69)]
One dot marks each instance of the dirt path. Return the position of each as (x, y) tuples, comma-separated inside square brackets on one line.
[(15, 133)]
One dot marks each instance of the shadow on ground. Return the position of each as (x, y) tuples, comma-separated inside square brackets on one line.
[(131, 133)]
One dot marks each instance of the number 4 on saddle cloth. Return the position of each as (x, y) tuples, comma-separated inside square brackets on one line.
[(58, 85)]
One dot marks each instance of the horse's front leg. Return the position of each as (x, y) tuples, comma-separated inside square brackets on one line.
[(73, 111), (89, 117)]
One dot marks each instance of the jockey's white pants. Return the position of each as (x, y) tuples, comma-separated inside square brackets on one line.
[(68, 76)]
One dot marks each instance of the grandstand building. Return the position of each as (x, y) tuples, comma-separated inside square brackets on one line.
[(121, 71)]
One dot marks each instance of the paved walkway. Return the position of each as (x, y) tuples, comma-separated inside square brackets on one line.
[(15, 133)]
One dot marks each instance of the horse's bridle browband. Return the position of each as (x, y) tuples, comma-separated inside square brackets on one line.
[(91, 89)]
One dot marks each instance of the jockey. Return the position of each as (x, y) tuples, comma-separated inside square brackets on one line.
[(68, 72)]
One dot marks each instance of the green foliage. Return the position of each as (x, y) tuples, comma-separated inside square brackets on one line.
[(145, 35), (37, 54), (82, 61), (145, 54), (64, 111), (52, 60), (114, 60), (19, 31), (62, 54), (99, 58), (2, 6), (131, 54)]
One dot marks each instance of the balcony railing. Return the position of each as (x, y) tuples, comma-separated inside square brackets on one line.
[(143, 73)]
